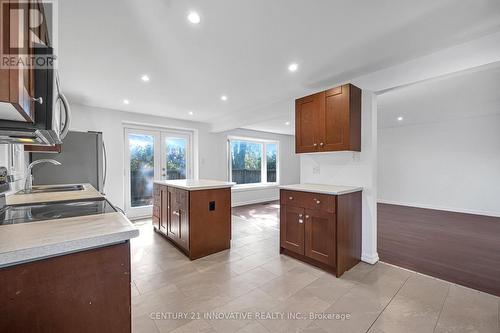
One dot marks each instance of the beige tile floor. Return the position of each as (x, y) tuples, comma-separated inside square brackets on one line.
[(253, 278)]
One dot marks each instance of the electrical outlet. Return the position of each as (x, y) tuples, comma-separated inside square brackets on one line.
[(316, 170)]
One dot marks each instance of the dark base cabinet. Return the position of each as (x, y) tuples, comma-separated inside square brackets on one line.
[(86, 291), (323, 230), (197, 222)]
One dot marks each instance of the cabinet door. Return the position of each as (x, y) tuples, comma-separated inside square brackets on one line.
[(320, 236), (156, 206), (292, 229), (335, 120), (178, 226), (17, 82), (307, 119), (164, 209)]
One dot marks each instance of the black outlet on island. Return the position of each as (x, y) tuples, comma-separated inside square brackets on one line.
[(211, 205)]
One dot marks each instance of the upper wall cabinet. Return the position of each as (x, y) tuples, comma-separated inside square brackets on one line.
[(17, 79), (329, 121)]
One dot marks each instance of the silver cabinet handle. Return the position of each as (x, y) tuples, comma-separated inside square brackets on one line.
[(301, 221), (317, 201), (38, 100), (321, 144), (290, 198), (300, 215), (315, 144), (307, 216)]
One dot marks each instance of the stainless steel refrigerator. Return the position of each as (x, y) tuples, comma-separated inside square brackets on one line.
[(83, 160)]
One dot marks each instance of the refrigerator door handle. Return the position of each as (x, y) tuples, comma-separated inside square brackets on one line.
[(105, 166)]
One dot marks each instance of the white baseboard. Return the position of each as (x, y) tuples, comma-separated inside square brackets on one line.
[(252, 202), (446, 209), (371, 258)]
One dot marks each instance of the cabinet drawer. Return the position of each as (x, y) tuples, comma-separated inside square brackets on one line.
[(179, 197), (308, 200), (157, 189)]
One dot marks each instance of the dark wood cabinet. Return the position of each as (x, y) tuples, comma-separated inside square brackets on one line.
[(320, 236), (87, 291), (178, 223), (323, 230), (197, 222), (17, 81), (292, 229), (329, 121)]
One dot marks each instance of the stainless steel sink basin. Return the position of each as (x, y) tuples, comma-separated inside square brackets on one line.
[(61, 188)]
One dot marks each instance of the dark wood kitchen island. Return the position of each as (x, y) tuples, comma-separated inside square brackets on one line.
[(194, 215)]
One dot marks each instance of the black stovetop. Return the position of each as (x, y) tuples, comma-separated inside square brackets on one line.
[(53, 210)]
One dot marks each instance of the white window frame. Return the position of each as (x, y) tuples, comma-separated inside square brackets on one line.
[(263, 167)]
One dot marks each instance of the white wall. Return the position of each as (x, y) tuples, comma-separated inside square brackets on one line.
[(450, 165), (212, 150), (358, 169)]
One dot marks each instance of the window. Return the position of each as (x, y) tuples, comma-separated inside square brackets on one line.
[(253, 161)]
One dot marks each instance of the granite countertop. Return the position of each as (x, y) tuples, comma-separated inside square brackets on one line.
[(324, 189), (31, 241), (88, 192), (196, 184)]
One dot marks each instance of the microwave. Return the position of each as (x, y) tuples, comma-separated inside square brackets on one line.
[(51, 112)]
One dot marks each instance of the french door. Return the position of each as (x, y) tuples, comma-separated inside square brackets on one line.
[(153, 155)]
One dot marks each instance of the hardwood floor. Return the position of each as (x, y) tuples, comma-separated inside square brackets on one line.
[(456, 247)]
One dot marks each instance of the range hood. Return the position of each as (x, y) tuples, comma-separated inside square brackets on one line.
[(30, 137)]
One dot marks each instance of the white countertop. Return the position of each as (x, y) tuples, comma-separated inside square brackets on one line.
[(88, 192), (38, 240), (196, 184), (324, 189)]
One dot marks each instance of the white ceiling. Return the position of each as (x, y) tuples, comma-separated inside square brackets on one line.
[(467, 94), (242, 49)]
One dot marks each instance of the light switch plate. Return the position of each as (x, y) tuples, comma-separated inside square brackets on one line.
[(316, 170)]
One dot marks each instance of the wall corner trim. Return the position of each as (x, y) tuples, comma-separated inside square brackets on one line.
[(371, 258)]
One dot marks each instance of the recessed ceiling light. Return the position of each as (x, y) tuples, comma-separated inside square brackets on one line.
[(400, 118), (224, 98), (126, 101), (145, 78), (194, 17), (287, 123), (191, 113), (293, 67)]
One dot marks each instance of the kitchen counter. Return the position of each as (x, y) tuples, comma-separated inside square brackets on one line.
[(41, 239), (195, 184), (324, 189), (37, 240), (89, 192)]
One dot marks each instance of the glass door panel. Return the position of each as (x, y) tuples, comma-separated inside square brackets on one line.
[(141, 150), (176, 158)]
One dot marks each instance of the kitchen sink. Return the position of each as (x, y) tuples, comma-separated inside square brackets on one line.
[(61, 188)]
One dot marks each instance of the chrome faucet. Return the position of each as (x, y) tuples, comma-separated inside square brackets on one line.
[(29, 178)]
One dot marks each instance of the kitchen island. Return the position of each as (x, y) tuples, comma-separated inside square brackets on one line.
[(194, 215), (321, 225), (69, 274)]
